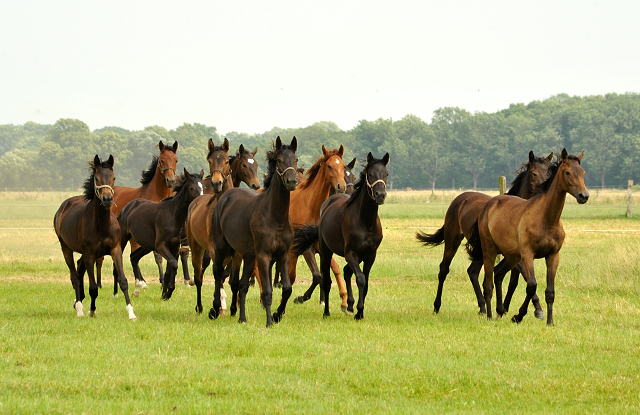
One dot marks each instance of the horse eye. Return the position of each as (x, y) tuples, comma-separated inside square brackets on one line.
[(534, 174), (329, 166), (567, 173)]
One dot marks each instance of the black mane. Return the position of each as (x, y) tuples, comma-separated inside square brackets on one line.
[(518, 182), (362, 180), (147, 175)]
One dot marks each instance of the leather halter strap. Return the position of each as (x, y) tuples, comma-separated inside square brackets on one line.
[(285, 170), (97, 189), (224, 178), (370, 186)]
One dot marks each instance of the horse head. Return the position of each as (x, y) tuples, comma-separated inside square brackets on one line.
[(103, 180), (376, 177), (349, 177), (168, 163), (219, 167), (572, 176), (246, 167), (537, 169), (286, 162)]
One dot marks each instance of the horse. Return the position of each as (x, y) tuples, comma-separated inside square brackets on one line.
[(463, 213), (198, 223), (257, 226), (523, 230), (310, 254), (349, 226), (244, 168), (157, 181), (156, 226), (86, 224)]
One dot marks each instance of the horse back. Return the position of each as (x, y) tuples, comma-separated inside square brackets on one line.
[(463, 212), (123, 195)]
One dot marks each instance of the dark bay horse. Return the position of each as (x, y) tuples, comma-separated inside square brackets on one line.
[(522, 230), (157, 181), (244, 168), (156, 226), (198, 224), (257, 226), (349, 226), (88, 226), (463, 213)]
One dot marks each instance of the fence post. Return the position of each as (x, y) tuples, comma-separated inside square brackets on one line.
[(629, 198), (502, 184)]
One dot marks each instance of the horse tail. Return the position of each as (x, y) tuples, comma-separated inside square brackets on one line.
[(305, 236), (433, 239), (473, 245)]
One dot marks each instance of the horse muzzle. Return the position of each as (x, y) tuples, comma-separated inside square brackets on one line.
[(582, 197), (379, 197)]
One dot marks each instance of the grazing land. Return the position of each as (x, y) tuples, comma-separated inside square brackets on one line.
[(400, 359)]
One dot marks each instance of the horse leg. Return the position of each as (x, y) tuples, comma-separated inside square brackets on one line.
[(325, 268), (234, 282), (342, 289), (197, 254), (158, 259), (263, 264), (76, 280), (218, 270), (93, 286), (347, 279), (450, 249), (135, 257), (116, 255), (362, 294), (184, 260), (499, 272), (99, 271), (171, 255), (489, 259), (513, 284), (474, 271), (309, 257), (286, 287), (552, 265), (527, 266)]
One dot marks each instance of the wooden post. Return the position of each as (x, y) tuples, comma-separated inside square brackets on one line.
[(629, 198), (502, 184)]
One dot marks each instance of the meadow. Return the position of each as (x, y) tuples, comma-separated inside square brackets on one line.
[(400, 359)]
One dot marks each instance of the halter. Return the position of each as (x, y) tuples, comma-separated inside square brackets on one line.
[(285, 170), (97, 189), (370, 190), (224, 178), (162, 170)]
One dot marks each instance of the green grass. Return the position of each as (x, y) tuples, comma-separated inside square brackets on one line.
[(400, 359)]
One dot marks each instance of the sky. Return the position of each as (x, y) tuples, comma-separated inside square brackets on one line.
[(249, 66)]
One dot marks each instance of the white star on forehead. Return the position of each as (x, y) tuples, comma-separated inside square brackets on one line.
[(348, 173), (251, 161), (337, 161)]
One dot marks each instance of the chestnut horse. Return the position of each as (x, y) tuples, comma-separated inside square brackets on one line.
[(350, 227), (88, 226), (257, 226), (198, 225), (157, 226), (522, 230), (157, 182), (463, 213)]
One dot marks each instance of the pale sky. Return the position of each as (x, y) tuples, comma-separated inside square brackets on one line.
[(248, 66)]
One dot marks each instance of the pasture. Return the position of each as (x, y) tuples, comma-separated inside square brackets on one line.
[(400, 359)]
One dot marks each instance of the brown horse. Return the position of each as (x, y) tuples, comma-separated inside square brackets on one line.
[(350, 227), (157, 226), (257, 226), (198, 225), (244, 168), (157, 182), (88, 226), (463, 213), (522, 230)]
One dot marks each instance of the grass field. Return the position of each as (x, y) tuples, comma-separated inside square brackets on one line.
[(400, 359)]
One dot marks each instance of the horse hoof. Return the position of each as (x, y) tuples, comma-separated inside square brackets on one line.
[(223, 312), (515, 319), (192, 282), (358, 316), (132, 317), (78, 307), (278, 285), (116, 295), (92, 313), (326, 315), (100, 285), (345, 310), (188, 283), (199, 309), (321, 303), (298, 300), (213, 314), (276, 317), (539, 314)]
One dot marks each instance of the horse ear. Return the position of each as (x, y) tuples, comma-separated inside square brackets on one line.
[(550, 157), (96, 162), (369, 157), (564, 154), (352, 164), (341, 151), (581, 155), (225, 145), (385, 159), (253, 153), (110, 161), (161, 146), (241, 149), (186, 173), (201, 174), (294, 144), (210, 145), (532, 157), (278, 143), (324, 150), (175, 146)]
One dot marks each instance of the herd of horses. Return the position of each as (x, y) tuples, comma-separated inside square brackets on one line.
[(325, 211)]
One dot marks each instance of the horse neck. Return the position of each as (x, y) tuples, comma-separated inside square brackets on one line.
[(179, 205), (227, 185), (553, 203), (367, 208), (101, 216), (317, 191), (525, 191), (278, 199)]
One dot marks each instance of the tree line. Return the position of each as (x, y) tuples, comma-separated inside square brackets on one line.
[(455, 149)]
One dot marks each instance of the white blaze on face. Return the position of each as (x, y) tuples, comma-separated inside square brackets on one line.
[(201, 190), (251, 161), (337, 161)]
